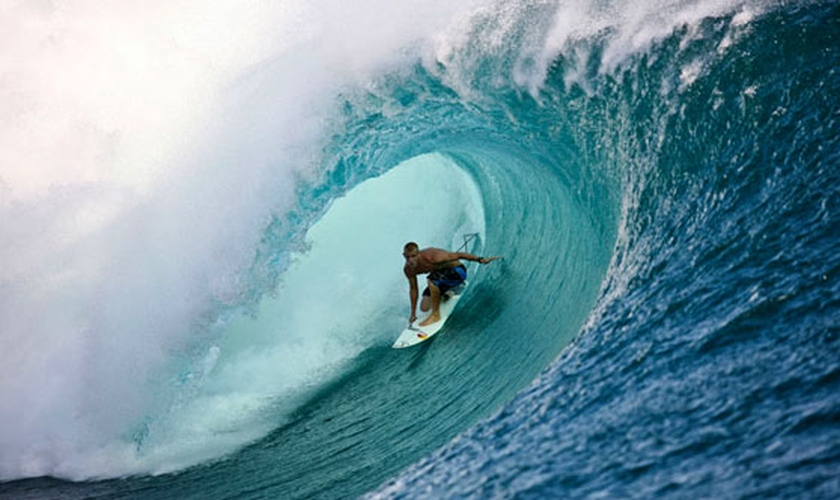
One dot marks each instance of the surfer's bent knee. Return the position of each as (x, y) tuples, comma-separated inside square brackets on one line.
[(426, 303)]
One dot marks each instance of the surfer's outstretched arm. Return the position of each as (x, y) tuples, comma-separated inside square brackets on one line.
[(474, 258)]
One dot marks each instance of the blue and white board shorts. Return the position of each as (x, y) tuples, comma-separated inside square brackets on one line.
[(447, 279)]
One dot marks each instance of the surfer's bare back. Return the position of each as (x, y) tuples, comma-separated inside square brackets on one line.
[(445, 271)]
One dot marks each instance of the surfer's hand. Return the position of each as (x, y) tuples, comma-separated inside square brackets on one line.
[(485, 260)]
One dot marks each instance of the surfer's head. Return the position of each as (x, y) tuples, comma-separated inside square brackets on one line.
[(411, 251)]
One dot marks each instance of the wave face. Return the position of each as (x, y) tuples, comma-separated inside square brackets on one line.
[(211, 315), (709, 366)]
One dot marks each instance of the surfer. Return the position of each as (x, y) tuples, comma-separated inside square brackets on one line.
[(445, 271)]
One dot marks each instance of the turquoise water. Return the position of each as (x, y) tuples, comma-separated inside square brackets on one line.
[(662, 184)]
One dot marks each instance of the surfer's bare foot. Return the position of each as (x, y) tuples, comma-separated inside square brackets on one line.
[(433, 318)]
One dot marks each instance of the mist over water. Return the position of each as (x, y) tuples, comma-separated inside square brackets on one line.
[(145, 151)]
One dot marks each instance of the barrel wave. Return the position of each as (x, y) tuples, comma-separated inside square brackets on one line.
[(214, 319)]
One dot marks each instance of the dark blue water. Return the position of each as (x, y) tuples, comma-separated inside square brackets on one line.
[(665, 321), (710, 367)]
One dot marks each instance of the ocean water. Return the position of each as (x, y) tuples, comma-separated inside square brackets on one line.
[(202, 213)]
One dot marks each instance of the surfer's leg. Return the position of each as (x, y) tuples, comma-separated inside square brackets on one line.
[(434, 317), (449, 279), (426, 302)]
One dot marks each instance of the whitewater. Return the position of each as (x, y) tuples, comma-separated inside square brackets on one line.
[(202, 214)]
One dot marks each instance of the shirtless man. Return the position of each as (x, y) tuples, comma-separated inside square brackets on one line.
[(446, 271)]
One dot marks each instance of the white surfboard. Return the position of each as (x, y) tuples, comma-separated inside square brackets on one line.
[(413, 335)]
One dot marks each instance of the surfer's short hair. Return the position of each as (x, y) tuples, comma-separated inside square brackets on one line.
[(411, 246)]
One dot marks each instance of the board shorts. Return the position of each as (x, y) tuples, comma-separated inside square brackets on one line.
[(446, 279)]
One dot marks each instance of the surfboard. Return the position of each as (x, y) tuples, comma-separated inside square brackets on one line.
[(414, 335)]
